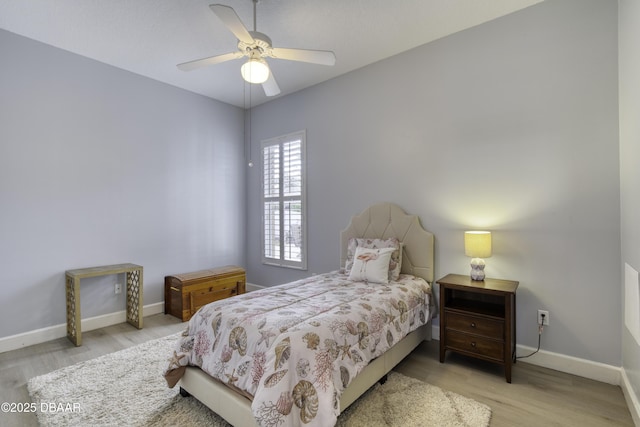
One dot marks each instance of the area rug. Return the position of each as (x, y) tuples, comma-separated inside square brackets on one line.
[(126, 388)]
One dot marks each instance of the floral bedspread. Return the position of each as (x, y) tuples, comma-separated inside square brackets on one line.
[(295, 347)]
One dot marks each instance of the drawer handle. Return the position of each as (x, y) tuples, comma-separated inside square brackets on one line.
[(473, 344), (174, 289), (473, 324)]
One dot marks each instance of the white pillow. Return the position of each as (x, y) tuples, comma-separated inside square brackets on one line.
[(395, 262), (371, 265)]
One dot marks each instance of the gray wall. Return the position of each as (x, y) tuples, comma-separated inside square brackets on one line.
[(510, 126), (102, 166), (629, 22)]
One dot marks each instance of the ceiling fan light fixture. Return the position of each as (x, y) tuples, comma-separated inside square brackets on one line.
[(255, 70)]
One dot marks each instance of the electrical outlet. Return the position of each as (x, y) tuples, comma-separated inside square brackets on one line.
[(118, 288), (546, 317)]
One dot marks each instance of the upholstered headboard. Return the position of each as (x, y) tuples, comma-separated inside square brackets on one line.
[(386, 220)]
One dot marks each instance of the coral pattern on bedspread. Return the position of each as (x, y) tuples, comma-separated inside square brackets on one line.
[(295, 347)]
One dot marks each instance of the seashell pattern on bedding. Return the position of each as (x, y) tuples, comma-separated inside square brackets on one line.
[(295, 347)]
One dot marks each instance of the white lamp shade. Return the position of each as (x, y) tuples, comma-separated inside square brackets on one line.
[(255, 70), (477, 244)]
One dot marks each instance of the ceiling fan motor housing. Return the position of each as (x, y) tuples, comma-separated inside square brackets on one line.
[(262, 43)]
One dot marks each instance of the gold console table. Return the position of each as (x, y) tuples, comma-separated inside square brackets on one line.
[(134, 295)]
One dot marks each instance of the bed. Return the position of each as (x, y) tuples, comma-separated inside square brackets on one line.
[(287, 389)]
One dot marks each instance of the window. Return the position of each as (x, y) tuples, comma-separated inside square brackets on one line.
[(284, 236)]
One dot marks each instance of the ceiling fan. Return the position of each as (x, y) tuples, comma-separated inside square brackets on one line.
[(256, 46)]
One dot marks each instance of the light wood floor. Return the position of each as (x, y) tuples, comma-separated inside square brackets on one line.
[(536, 396)]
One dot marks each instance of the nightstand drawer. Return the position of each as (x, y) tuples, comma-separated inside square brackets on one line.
[(462, 342), (475, 325)]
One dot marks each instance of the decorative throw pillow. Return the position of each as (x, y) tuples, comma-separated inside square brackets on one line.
[(371, 265), (395, 262)]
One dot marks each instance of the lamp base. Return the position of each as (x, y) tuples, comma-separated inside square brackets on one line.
[(477, 269)]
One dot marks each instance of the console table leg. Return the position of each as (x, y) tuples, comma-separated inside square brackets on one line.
[(74, 331), (134, 298)]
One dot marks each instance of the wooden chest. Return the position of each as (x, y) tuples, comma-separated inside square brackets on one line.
[(185, 293)]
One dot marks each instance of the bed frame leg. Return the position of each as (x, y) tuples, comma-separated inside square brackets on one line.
[(184, 393), (383, 379)]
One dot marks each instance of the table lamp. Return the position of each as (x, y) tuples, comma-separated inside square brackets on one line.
[(477, 245)]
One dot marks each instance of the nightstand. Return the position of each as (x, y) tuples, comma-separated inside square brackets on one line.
[(477, 318)]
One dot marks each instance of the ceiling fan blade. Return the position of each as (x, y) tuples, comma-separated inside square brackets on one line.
[(192, 65), (230, 18), (271, 87), (322, 57)]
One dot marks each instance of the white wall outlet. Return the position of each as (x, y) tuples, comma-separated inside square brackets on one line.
[(546, 317), (118, 288)]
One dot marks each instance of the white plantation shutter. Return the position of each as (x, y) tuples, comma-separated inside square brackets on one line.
[(283, 201)]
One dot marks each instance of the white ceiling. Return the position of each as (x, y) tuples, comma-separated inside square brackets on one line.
[(149, 37)]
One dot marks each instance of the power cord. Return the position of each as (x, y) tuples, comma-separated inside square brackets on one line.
[(540, 329)]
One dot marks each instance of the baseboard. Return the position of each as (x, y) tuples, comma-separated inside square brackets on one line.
[(253, 287), (631, 397), (563, 363), (38, 336), (571, 365)]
